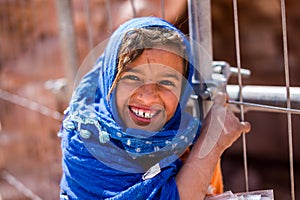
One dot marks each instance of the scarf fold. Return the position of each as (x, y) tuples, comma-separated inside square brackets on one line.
[(100, 159)]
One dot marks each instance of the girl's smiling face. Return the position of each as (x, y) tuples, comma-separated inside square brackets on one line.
[(149, 88)]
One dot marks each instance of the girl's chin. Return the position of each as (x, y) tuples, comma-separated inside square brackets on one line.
[(153, 126), (150, 127)]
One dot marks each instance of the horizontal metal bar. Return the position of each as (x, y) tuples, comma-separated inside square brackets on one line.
[(265, 95)]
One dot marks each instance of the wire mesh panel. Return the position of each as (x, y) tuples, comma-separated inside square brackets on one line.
[(269, 135)]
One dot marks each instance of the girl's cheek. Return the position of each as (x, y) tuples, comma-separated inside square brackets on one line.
[(170, 99), (171, 95)]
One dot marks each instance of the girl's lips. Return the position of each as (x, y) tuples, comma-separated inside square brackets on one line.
[(142, 116)]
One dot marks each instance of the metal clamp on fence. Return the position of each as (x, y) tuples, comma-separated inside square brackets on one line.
[(255, 98)]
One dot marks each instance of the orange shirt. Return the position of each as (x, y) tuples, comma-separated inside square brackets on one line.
[(216, 183)]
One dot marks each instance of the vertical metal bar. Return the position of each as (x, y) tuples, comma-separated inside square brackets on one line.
[(89, 24), (201, 35), (11, 20), (201, 42), (288, 102), (109, 17), (3, 26), (238, 59), (22, 22), (35, 20), (133, 8), (68, 40), (162, 7)]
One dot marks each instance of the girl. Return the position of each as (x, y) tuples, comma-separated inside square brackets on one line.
[(126, 134)]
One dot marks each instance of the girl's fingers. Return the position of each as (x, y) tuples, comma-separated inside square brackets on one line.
[(221, 99), (246, 127)]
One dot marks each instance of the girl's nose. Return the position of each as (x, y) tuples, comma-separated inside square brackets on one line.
[(148, 93)]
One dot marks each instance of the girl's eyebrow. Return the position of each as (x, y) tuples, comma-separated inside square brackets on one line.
[(134, 70), (174, 75), (167, 75), (171, 75)]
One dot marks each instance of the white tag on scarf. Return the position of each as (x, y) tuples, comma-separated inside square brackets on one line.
[(153, 171)]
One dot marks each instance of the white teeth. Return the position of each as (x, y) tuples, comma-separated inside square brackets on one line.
[(142, 113), (147, 115)]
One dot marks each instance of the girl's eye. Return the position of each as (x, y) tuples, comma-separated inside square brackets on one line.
[(166, 83), (130, 77)]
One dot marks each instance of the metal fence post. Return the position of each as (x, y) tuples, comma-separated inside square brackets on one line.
[(201, 40), (68, 41)]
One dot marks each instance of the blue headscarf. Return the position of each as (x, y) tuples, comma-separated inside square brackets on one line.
[(100, 159)]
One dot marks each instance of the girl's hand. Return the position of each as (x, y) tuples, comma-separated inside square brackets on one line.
[(221, 128)]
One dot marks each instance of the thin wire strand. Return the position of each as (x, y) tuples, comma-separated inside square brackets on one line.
[(262, 107), (238, 59), (19, 185), (31, 105), (287, 82)]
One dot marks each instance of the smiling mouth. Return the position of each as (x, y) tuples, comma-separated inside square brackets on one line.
[(142, 113)]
